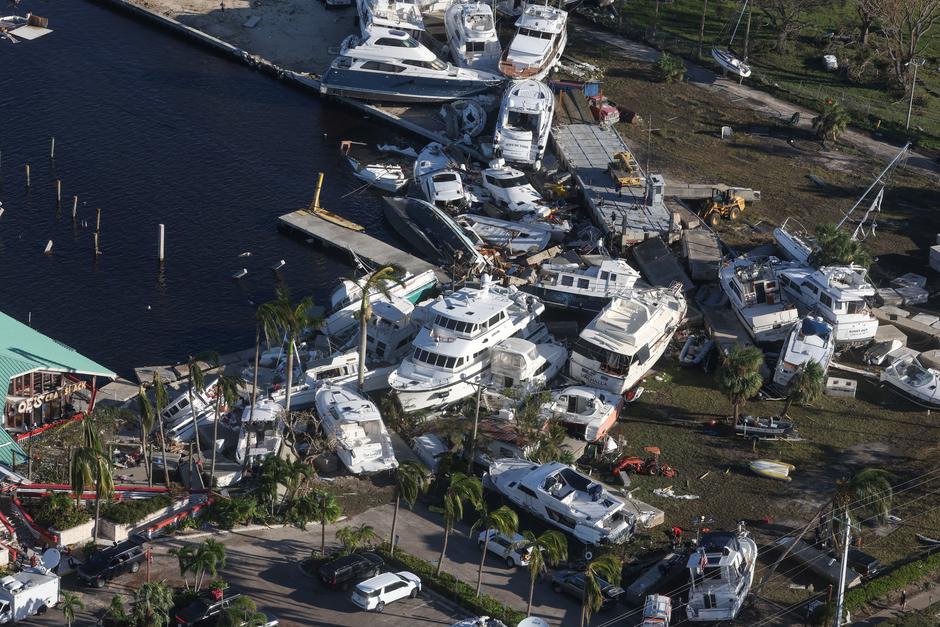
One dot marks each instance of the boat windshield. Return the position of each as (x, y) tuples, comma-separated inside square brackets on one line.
[(507, 183), (523, 121), (436, 64), (537, 34)]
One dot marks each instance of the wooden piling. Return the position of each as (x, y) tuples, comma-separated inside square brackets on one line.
[(58, 193), (74, 207), (97, 250), (161, 242), (52, 149), (27, 175), (98, 220)]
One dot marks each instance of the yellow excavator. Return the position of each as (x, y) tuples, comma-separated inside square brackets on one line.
[(624, 170), (724, 204), (329, 216)]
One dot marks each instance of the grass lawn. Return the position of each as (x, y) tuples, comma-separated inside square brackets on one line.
[(798, 73)]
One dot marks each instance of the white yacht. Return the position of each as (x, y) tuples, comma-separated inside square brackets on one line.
[(392, 66), (390, 331), (753, 290), (260, 432), (452, 352), (444, 189), (541, 35), (588, 411), (511, 189), (721, 572), (345, 300), (521, 367), (565, 498), (837, 293), (403, 15), (524, 122), (794, 242), (354, 422), (810, 339), (587, 286), (627, 338), (914, 381), (512, 237), (338, 368), (471, 35), (432, 158)]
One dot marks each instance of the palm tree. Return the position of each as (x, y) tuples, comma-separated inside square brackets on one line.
[(152, 604), (70, 604), (197, 383), (227, 393), (412, 479), (270, 478), (544, 551), (502, 521), (739, 376), (91, 466), (838, 247), (806, 386), (160, 396), (352, 538), (185, 556), (146, 417), (327, 511), (294, 476), (208, 558), (462, 488), (833, 120), (606, 567), (377, 281), (242, 612)]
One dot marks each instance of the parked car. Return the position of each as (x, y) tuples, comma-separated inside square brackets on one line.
[(350, 568), (203, 611), (376, 593), (429, 448), (504, 547), (572, 582), (114, 561)]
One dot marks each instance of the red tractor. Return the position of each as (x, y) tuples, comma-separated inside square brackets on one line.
[(650, 466)]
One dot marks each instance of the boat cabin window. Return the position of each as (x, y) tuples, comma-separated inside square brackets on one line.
[(455, 325), (613, 277), (328, 374), (436, 64), (560, 518), (825, 300), (605, 275), (516, 181), (642, 355), (433, 359), (528, 32), (476, 46), (444, 176), (543, 368), (810, 287), (583, 284), (854, 306), (376, 66), (396, 43), (567, 281), (526, 490)]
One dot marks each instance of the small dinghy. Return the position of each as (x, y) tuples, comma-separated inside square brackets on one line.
[(772, 469), (763, 426), (695, 349), (389, 177), (515, 237)]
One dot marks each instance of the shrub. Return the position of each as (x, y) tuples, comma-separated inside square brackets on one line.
[(880, 587), (57, 511), (670, 68), (448, 585), (133, 511)]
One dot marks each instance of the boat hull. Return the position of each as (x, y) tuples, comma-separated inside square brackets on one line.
[(380, 87), (567, 300)]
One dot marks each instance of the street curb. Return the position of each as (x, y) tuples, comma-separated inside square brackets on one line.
[(221, 532)]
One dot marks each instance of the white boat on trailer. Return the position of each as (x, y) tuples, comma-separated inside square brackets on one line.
[(911, 379), (524, 123), (721, 571), (354, 422), (541, 35), (564, 498), (754, 293)]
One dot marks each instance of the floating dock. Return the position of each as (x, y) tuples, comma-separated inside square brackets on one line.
[(355, 243)]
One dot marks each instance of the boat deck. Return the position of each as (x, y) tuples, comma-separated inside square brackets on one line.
[(377, 252), (586, 149)]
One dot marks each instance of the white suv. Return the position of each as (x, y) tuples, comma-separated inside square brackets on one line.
[(505, 547), (375, 593)]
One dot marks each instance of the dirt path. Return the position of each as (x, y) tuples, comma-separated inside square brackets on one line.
[(754, 98)]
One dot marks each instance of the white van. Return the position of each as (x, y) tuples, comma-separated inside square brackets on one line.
[(376, 593)]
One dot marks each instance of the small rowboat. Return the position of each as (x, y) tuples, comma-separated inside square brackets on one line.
[(694, 350), (772, 469), (728, 61)]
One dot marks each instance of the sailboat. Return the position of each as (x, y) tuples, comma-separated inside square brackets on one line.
[(726, 58)]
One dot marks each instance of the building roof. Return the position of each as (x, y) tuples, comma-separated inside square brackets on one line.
[(10, 449), (24, 349)]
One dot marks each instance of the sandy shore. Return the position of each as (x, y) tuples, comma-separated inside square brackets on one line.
[(296, 34)]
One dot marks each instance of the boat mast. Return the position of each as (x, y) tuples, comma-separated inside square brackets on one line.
[(741, 15), (877, 180)]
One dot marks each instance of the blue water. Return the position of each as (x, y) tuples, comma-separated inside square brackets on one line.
[(154, 129)]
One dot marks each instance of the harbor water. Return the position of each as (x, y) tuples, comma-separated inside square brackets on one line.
[(152, 128)]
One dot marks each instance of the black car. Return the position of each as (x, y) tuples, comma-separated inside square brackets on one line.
[(343, 571), (114, 561), (572, 582), (203, 611)]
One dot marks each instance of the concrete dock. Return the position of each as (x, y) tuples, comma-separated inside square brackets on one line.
[(356, 243)]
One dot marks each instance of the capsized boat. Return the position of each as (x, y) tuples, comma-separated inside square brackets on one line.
[(389, 177), (753, 290), (354, 422), (763, 426), (513, 237), (585, 286), (795, 244), (730, 62), (524, 122), (914, 381), (587, 411), (811, 339), (391, 66), (471, 35), (433, 233), (772, 469), (620, 345), (565, 498), (721, 571), (541, 35)]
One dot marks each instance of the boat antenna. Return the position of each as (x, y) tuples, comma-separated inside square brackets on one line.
[(740, 15), (878, 179)]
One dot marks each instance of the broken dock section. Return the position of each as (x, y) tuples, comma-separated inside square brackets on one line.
[(355, 243)]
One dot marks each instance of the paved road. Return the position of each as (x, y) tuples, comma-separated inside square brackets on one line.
[(756, 99)]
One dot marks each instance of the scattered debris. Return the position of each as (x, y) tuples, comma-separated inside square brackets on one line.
[(669, 493)]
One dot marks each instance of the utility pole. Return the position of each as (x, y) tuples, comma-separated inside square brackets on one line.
[(840, 600), (910, 106)]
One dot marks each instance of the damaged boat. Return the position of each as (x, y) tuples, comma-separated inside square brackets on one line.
[(909, 378), (433, 233), (524, 122), (585, 286), (721, 572), (355, 424), (541, 35), (753, 289), (588, 412), (388, 177), (512, 237), (471, 35), (811, 339)]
